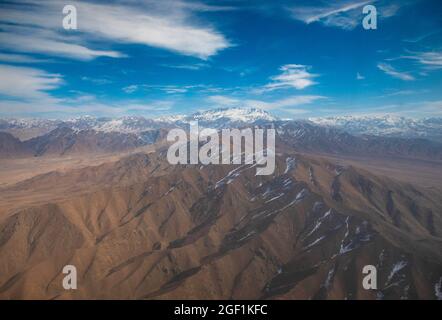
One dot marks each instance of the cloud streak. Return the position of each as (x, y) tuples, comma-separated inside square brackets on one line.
[(292, 76), (431, 60), (388, 69), (174, 30), (27, 83), (346, 15)]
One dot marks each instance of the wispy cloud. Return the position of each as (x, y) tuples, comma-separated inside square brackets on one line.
[(359, 76), (388, 69), (292, 76), (131, 88), (27, 90), (36, 40), (422, 37), (170, 89), (346, 15), (174, 29), (397, 93), (431, 60), (19, 58), (27, 83), (96, 81), (89, 106), (194, 66)]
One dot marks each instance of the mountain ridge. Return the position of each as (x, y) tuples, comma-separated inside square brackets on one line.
[(387, 125), (107, 135), (184, 231)]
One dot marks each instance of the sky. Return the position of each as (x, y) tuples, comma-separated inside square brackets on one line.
[(295, 59)]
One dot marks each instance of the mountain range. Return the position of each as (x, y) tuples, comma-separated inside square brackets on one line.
[(140, 228), (388, 125), (105, 135), (88, 193)]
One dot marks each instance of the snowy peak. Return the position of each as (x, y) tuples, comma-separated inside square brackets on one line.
[(218, 118), (385, 120), (132, 124), (247, 115), (27, 123), (388, 125), (127, 124)]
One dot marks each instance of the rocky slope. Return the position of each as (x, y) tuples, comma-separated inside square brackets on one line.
[(308, 137), (142, 229), (103, 135), (64, 141), (11, 147), (387, 126)]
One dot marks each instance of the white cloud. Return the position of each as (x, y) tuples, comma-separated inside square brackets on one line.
[(388, 69), (175, 29), (97, 81), (359, 76), (171, 89), (131, 89), (404, 93), (28, 91), (25, 39), (28, 83), (82, 104), (422, 37), (63, 109), (337, 15), (195, 66), (292, 76), (19, 58), (314, 14), (431, 60), (346, 14)]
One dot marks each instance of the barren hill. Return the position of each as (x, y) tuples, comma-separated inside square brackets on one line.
[(140, 228)]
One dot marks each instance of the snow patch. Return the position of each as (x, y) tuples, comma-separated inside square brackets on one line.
[(290, 164), (396, 268)]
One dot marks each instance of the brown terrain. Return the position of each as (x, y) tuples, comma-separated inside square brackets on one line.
[(138, 228)]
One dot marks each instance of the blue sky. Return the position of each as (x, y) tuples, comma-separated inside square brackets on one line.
[(296, 59)]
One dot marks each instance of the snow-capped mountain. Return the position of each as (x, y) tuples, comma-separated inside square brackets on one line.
[(308, 137), (383, 126), (28, 123), (171, 119), (247, 115), (128, 124), (136, 124), (393, 126), (217, 118), (230, 117)]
